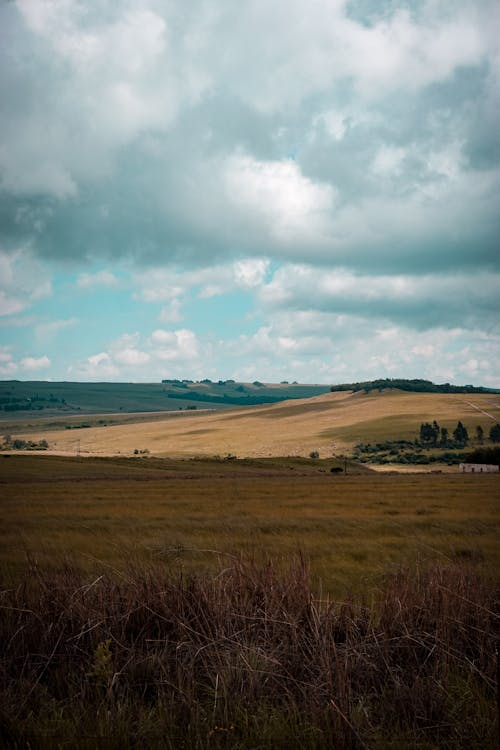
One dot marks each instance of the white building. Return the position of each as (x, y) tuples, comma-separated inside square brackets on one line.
[(478, 468)]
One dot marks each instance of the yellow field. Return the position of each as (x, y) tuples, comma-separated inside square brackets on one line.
[(330, 424), (107, 512)]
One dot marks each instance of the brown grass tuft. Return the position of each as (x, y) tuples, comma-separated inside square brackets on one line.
[(247, 657)]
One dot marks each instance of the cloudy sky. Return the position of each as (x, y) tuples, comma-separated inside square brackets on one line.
[(275, 189)]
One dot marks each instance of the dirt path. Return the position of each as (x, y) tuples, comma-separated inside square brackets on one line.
[(495, 419)]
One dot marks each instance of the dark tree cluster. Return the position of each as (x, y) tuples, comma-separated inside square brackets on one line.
[(432, 435), (415, 385)]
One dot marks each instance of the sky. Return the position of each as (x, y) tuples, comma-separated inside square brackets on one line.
[(263, 189)]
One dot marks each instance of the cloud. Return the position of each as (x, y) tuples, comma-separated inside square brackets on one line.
[(49, 330), (35, 363), (344, 168), (95, 367), (181, 345), (171, 313), (101, 278), (275, 193), (23, 280), (9, 366), (425, 301), (353, 137), (172, 285), (134, 357), (328, 348)]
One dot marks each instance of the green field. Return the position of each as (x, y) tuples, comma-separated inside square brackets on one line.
[(35, 399)]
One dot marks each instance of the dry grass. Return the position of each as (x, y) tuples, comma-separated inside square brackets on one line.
[(107, 511), (329, 423), (248, 658), (134, 613)]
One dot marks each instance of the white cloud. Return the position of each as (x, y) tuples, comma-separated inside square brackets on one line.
[(250, 272), (23, 279), (292, 206), (101, 278), (131, 356), (180, 345), (96, 367), (10, 366), (171, 313), (47, 331), (325, 347), (35, 363), (171, 285), (137, 358), (7, 365), (424, 350)]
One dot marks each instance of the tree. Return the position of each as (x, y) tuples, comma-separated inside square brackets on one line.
[(495, 433), (444, 436), (429, 433), (460, 434), (479, 434)]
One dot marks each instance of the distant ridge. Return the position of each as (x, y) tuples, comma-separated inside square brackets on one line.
[(414, 386)]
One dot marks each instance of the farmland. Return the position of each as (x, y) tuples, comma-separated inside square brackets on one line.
[(329, 423)]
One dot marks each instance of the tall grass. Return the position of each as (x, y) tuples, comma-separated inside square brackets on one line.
[(248, 657)]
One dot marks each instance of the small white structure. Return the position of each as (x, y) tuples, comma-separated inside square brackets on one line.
[(478, 468)]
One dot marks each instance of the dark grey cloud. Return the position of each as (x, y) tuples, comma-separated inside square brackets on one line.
[(468, 300), (150, 131)]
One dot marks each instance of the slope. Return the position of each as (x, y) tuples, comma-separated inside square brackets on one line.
[(329, 423)]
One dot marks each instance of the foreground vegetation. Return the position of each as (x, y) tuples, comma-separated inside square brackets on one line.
[(247, 658), (163, 603)]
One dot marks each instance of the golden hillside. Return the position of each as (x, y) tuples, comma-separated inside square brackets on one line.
[(329, 423)]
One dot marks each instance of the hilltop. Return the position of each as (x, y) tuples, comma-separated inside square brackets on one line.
[(415, 385)]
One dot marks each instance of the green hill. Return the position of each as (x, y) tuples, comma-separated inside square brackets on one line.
[(42, 398)]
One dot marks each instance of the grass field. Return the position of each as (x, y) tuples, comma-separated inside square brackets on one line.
[(329, 423), (105, 512), (243, 604)]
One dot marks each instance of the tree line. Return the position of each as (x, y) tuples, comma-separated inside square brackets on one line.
[(432, 435), (415, 385)]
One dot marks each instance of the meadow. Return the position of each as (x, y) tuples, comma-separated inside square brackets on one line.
[(254, 603), (105, 512)]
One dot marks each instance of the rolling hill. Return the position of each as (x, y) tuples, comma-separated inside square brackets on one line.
[(328, 423)]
